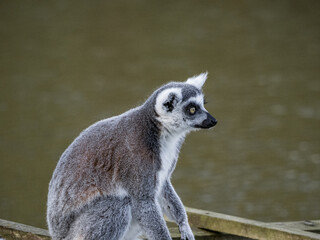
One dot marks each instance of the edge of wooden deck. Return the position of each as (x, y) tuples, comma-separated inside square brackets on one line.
[(249, 228), (206, 225), (12, 230)]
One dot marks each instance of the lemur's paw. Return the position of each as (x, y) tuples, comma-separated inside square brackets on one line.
[(186, 232)]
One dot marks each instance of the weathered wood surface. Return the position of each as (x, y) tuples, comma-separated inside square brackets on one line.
[(205, 225), (247, 228), (201, 234), (311, 226), (16, 231), (12, 231)]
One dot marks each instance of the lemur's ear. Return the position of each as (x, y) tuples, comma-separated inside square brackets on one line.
[(170, 103), (198, 80), (167, 100)]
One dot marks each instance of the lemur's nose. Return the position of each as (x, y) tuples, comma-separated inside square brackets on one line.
[(209, 121), (214, 121)]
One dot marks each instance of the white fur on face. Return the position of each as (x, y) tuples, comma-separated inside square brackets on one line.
[(168, 119), (163, 96), (198, 99), (176, 121)]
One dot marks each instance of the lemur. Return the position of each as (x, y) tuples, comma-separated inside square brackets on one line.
[(113, 181)]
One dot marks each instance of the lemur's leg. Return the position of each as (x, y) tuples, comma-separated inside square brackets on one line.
[(174, 209), (107, 218), (148, 214), (133, 232)]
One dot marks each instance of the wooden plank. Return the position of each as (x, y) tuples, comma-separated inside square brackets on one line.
[(16, 231), (200, 234), (204, 235), (12, 231), (245, 227), (308, 225), (248, 229)]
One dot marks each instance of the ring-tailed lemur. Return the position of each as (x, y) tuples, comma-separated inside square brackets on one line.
[(113, 181)]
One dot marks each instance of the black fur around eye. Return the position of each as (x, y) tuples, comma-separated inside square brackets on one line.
[(191, 109)]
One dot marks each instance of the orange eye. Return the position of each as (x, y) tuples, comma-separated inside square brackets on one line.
[(192, 110)]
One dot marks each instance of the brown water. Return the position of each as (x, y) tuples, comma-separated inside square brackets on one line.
[(67, 64)]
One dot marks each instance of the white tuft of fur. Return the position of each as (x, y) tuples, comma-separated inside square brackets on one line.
[(198, 80)]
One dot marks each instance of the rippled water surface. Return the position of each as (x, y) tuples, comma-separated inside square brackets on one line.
[(67, 64)]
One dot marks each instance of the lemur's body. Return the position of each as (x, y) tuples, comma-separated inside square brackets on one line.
[(113, 181)]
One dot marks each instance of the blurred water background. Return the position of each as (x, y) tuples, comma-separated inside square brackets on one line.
[(67, 64)]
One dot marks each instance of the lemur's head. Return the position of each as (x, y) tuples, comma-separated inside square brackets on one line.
[(180, 106)]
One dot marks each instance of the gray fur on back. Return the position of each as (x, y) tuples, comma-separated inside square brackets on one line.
[(112, 182)]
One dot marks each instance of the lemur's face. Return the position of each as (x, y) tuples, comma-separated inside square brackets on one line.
[(180, 106)]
